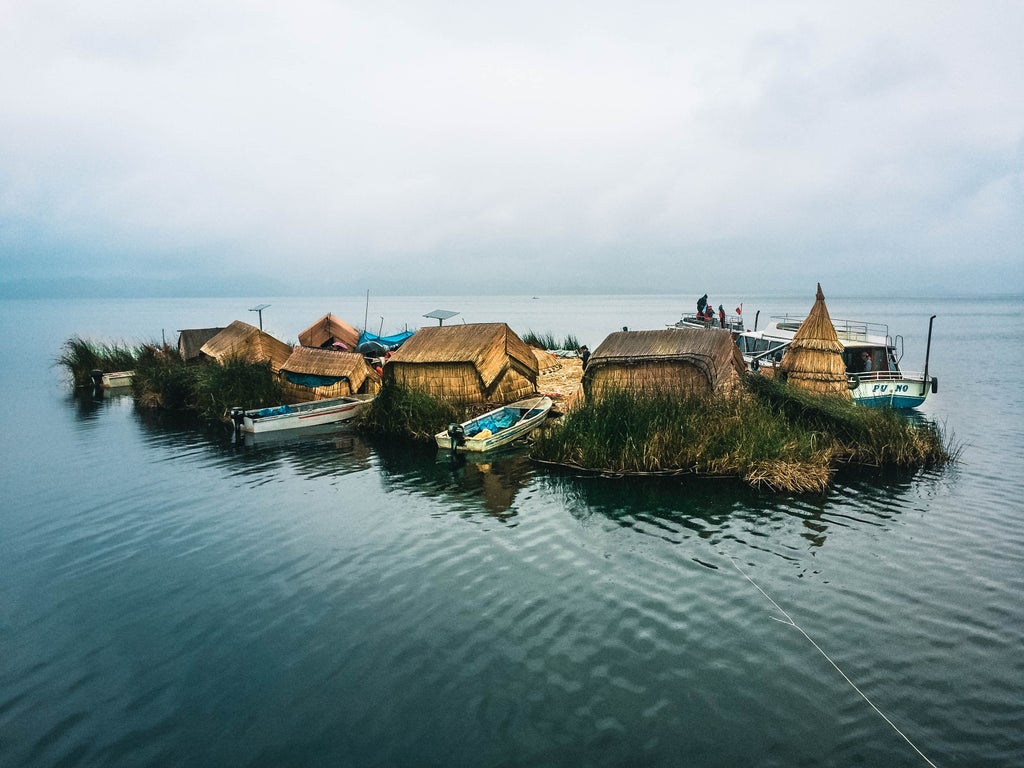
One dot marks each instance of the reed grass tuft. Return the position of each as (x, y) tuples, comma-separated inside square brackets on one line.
[(764, 436), (80, 357), (406, 412), (548, 341)]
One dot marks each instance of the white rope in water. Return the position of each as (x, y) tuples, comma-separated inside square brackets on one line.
[(789, 620)]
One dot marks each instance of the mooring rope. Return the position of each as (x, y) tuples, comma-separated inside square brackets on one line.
[(789, 620)]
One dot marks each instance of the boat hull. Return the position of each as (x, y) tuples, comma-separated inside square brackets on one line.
[(314, 414), (899, 393), (117, 379)]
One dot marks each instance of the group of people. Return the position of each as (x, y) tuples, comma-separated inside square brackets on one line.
[(706, 313)]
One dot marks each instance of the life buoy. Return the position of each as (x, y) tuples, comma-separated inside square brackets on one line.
[(854, 381)]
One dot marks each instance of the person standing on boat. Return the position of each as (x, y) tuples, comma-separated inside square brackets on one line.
[(721, 315), (865, 356), (702, 302)]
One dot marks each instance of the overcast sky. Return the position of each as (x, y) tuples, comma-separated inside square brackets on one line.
[(321, 148)]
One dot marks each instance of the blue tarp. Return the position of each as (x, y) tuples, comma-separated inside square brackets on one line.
[(495, 423), (279, 411), (388, 342), (311, 380)]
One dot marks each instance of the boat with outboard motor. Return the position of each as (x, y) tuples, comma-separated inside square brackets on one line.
[(496, 428), (292, 416), (872, 357)]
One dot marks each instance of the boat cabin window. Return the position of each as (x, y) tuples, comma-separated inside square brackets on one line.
[(875, 359)]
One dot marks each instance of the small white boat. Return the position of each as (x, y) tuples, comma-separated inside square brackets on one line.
[(113, 380), (871, 355), (496, 428), (311, 414)]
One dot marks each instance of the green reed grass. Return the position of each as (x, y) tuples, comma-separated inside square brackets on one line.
[(403, 412), (162, 380), (235, 382), (768, 439), (80, 357), (549, 342)]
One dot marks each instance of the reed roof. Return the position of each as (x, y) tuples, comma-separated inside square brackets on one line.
[(327, 330), (712, 350), (474, 343), (191, 340), (249, 343), (328, 362), (814, 359)]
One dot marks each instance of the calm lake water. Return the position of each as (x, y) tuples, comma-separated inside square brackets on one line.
[(170, 596)]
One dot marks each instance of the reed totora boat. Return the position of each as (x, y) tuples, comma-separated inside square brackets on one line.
[(872, 357), (496, 428), (311, 414)]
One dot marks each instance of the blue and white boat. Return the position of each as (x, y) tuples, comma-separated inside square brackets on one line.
[(497, 428), (872, 357)]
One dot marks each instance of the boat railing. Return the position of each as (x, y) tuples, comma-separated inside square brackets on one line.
[(888, 376), (733, 323), (848, 330)]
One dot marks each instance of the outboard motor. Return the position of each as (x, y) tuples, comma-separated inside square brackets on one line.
[(97, 378), (237, 418), (457, 434)]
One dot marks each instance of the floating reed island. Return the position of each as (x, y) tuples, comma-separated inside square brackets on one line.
[(671, 402)]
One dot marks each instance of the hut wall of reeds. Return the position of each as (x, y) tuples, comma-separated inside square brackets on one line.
[(814, 359), (318, 374), (330, 331), (191, 341), (674, 361), (470, 363), (247, 342)]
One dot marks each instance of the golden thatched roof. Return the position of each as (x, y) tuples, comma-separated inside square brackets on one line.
[(814, 359), (191, 340), (247, 342), (329, 362), (480, 344), (327, 330), (713, 351)]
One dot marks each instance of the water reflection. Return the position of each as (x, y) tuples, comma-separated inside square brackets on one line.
[(468, 483)]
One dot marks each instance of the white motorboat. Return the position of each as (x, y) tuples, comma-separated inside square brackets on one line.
[(872, 357), (496, 428), (294, 416)]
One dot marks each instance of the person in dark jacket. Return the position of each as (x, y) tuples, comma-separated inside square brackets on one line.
[(584, 356)]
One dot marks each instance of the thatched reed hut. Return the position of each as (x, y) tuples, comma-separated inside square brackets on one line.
[(670, 361), (471, 363), (814, 359), (330, 331), (318, 374), (191, 340), (247, 342)]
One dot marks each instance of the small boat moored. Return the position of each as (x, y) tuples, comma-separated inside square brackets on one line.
[(112, 380), (496, 428), (311, 414)]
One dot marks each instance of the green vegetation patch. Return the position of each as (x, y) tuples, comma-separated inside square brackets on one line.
[(765, 438), (547, 341), (404, 412), (80, 357)]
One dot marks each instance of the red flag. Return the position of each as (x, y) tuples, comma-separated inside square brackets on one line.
[(739, 309)]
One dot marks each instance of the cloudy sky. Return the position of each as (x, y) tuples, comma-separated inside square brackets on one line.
[(317, 147)]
